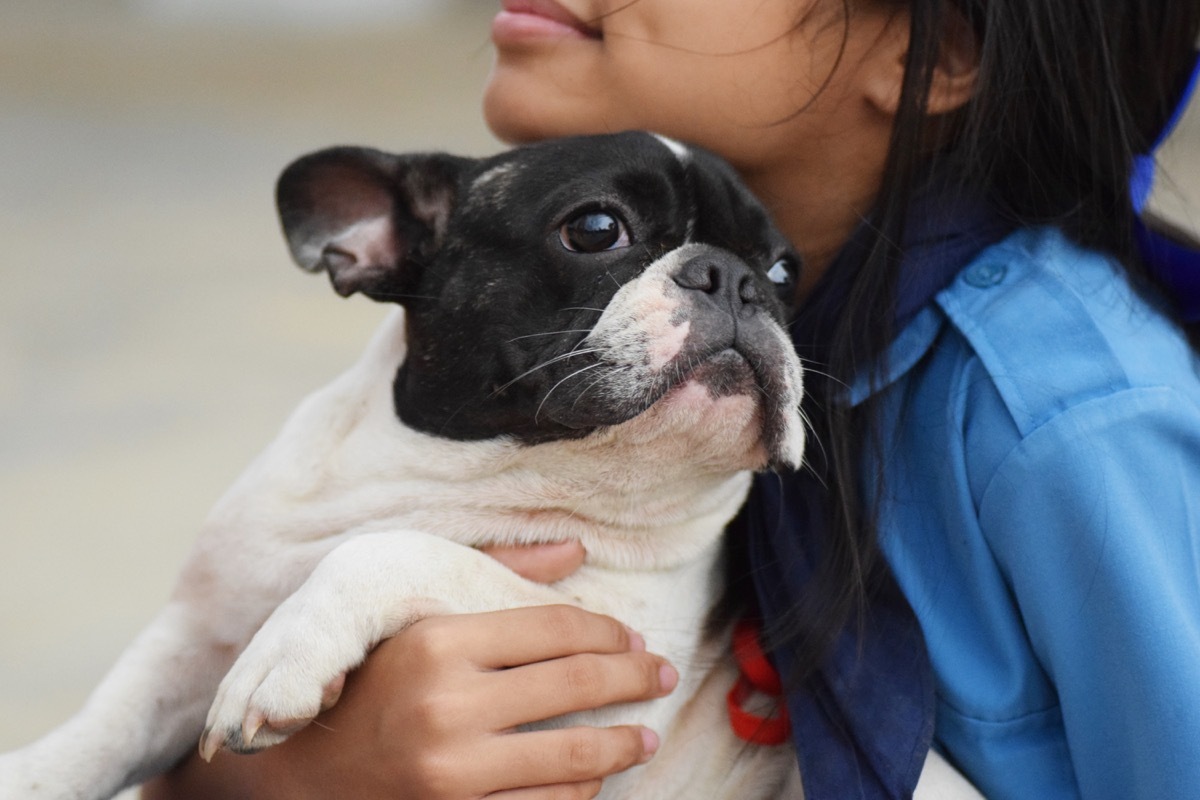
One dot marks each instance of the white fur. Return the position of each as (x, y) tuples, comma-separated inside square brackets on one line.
[(684, 156), (326, 542), (641, 334), (679, 149)]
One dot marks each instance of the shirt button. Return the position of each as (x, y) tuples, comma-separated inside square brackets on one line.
[(984, 276)]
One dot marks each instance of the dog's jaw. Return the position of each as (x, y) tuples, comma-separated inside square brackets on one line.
[(728, 376), (637, 493)]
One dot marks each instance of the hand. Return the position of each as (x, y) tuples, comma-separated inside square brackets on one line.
[(543, 563), (430, 713)]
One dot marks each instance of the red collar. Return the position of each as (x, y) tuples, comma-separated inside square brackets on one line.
[(756, 674)]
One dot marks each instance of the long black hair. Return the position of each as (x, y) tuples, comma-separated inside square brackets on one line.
[(1067, 94)]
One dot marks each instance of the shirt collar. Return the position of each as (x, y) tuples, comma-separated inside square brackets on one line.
[(948, 226), (863, 722)]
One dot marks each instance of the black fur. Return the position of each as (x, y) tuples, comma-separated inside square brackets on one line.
[(493, 297)]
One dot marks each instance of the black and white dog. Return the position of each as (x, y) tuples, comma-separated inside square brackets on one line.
[(590, 347)]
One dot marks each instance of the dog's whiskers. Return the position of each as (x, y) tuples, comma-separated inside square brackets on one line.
[(544, 364), (810, 369), (603, 377), (549, 333), (537, 413), (399, 296)]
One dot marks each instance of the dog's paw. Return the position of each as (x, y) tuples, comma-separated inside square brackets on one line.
[(297, 662), (277, 686), (257, 729)]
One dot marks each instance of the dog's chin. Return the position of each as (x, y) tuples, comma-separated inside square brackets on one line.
[(725, 374), (710, 416), (726, 398)]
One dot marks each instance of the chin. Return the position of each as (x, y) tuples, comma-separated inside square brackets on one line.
[(508, 115), (520, 108)]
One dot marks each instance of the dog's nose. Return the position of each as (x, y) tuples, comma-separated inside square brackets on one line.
[(726, 281)]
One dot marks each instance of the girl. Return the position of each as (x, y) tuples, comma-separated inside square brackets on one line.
[(1005, 395)]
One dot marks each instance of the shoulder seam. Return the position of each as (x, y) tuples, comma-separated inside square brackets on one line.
[(1010, 311), (1131, 395)]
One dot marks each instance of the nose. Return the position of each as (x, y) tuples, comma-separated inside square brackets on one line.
[(726, 281)]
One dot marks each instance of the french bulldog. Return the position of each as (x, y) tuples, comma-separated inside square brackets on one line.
[(589, 344)]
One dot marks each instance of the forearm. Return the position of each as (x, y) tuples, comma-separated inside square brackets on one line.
[(399, 731), (229, 777)]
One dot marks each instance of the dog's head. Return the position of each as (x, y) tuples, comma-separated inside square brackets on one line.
[(564, 288)]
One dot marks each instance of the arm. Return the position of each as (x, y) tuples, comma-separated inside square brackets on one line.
[(1095, 519), (429, 715)]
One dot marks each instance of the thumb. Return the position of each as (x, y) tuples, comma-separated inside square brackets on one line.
[(543, 563)]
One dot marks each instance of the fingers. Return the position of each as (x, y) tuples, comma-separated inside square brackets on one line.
[(448, 693), (575, 683), (332, 692), (561, 791), (502, 639), (543, 563), (536, 663), (546, 760)]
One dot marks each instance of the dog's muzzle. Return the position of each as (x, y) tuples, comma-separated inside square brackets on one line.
[(698, 314)]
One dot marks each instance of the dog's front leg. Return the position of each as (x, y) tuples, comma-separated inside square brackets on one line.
[(367, 589)]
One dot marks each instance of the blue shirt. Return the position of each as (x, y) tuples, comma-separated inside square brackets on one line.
[(1042, 517)]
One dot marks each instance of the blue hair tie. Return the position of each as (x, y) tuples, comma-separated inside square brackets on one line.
[(1173, 262)]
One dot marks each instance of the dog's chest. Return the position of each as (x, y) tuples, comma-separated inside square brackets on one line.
[(701, 757)]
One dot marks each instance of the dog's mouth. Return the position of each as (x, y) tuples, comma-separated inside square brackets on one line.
[(612, 396), (725, 373), (731, 396), (693, 386)]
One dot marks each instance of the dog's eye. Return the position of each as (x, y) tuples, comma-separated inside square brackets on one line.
[(593, 232), (783, 273)]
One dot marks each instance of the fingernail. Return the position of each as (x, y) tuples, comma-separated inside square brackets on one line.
[(649, 744), (637, 644), (668, 677)]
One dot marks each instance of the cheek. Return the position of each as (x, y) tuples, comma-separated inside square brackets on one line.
[(743, 92), (744, 113), (704, 71), (750, 104), (530, 99)]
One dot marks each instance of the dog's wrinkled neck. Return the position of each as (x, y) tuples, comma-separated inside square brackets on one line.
[(631, 504), (633, 494)]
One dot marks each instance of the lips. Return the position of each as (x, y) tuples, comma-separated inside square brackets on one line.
[(524, 19)]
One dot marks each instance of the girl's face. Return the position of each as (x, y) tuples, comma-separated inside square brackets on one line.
[(780, 88), (729, 75)]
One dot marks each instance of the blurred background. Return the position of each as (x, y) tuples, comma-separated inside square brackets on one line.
[(153, 333)]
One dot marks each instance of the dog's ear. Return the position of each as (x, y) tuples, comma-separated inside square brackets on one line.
[(366, 217)]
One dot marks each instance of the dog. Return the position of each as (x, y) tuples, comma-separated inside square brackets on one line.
[(589, 344)]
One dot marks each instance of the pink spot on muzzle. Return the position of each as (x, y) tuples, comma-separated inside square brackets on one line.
[(666, 341)]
